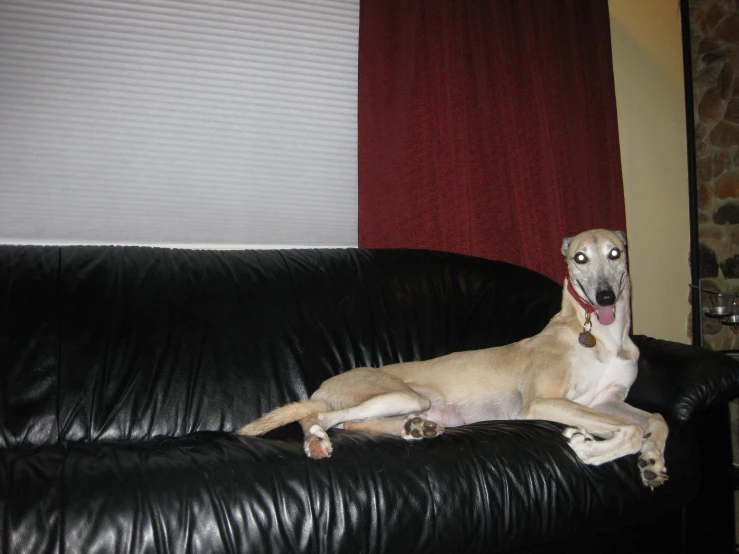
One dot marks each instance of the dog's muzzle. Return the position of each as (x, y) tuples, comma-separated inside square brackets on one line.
[(604, 306)]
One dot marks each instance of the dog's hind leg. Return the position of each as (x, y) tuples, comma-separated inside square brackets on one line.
[(410, 427), (317, 444)]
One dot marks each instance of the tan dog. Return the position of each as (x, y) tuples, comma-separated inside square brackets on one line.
[(577, 371)]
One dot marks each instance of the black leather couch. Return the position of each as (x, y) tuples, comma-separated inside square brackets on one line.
[(123, 370)]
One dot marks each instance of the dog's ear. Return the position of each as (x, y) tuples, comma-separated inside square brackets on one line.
[(621, 235), (566, 245)]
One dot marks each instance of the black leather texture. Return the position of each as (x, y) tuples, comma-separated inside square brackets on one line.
[(679, 380), (123, 371)]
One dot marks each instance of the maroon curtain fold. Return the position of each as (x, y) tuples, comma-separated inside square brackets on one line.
[(487, 127)]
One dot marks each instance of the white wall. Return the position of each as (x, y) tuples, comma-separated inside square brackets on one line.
[(648, 72)]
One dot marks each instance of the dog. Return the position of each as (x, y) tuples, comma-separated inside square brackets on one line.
[(577, 371)]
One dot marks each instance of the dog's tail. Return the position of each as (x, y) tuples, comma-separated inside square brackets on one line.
[(282, 416)]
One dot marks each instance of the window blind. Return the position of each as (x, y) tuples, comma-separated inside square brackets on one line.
[(192, 123)]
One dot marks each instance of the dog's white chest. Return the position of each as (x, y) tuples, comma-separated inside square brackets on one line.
[(595, 376)]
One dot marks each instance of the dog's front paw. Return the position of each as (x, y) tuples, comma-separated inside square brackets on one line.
[(419, 428), (652, 469), (583, 444), (317, 445), (575, 435)]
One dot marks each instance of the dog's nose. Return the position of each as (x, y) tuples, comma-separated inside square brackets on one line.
[(605, 298)]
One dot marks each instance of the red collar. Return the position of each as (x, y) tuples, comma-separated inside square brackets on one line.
[(589, 308)]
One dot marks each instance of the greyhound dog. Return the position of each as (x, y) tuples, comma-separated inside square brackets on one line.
[(576, 371)]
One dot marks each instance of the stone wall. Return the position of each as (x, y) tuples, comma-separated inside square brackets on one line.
[(714, 40)]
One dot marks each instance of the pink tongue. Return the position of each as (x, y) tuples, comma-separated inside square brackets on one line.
[(606, 314)]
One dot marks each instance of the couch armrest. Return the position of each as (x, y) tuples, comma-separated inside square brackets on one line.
[(678, 380)]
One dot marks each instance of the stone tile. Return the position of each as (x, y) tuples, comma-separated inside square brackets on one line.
[(728, 29)]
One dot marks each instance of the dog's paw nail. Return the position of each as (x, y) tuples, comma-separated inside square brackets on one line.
[(647, 435)]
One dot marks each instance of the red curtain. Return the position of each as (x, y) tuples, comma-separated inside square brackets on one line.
[(487, 127)]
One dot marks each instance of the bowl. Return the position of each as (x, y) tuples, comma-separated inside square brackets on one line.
[(730, 320)]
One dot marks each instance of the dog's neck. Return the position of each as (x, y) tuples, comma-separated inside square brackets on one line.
[(577, 310)]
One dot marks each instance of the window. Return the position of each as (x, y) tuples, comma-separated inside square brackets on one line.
[(191, 123)]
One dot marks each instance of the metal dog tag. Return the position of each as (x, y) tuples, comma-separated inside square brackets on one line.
[(586, 339)]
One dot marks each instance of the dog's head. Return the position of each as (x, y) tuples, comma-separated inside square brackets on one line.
[(596, 261)]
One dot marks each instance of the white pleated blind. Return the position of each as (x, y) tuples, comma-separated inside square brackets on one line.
[(194, 123)]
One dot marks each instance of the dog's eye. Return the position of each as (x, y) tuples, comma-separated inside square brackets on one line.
[(580, 258), (614, 254)]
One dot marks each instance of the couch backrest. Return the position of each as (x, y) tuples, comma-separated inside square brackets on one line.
[(125, 343)]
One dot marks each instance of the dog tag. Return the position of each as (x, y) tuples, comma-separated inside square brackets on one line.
[(586, 339)]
